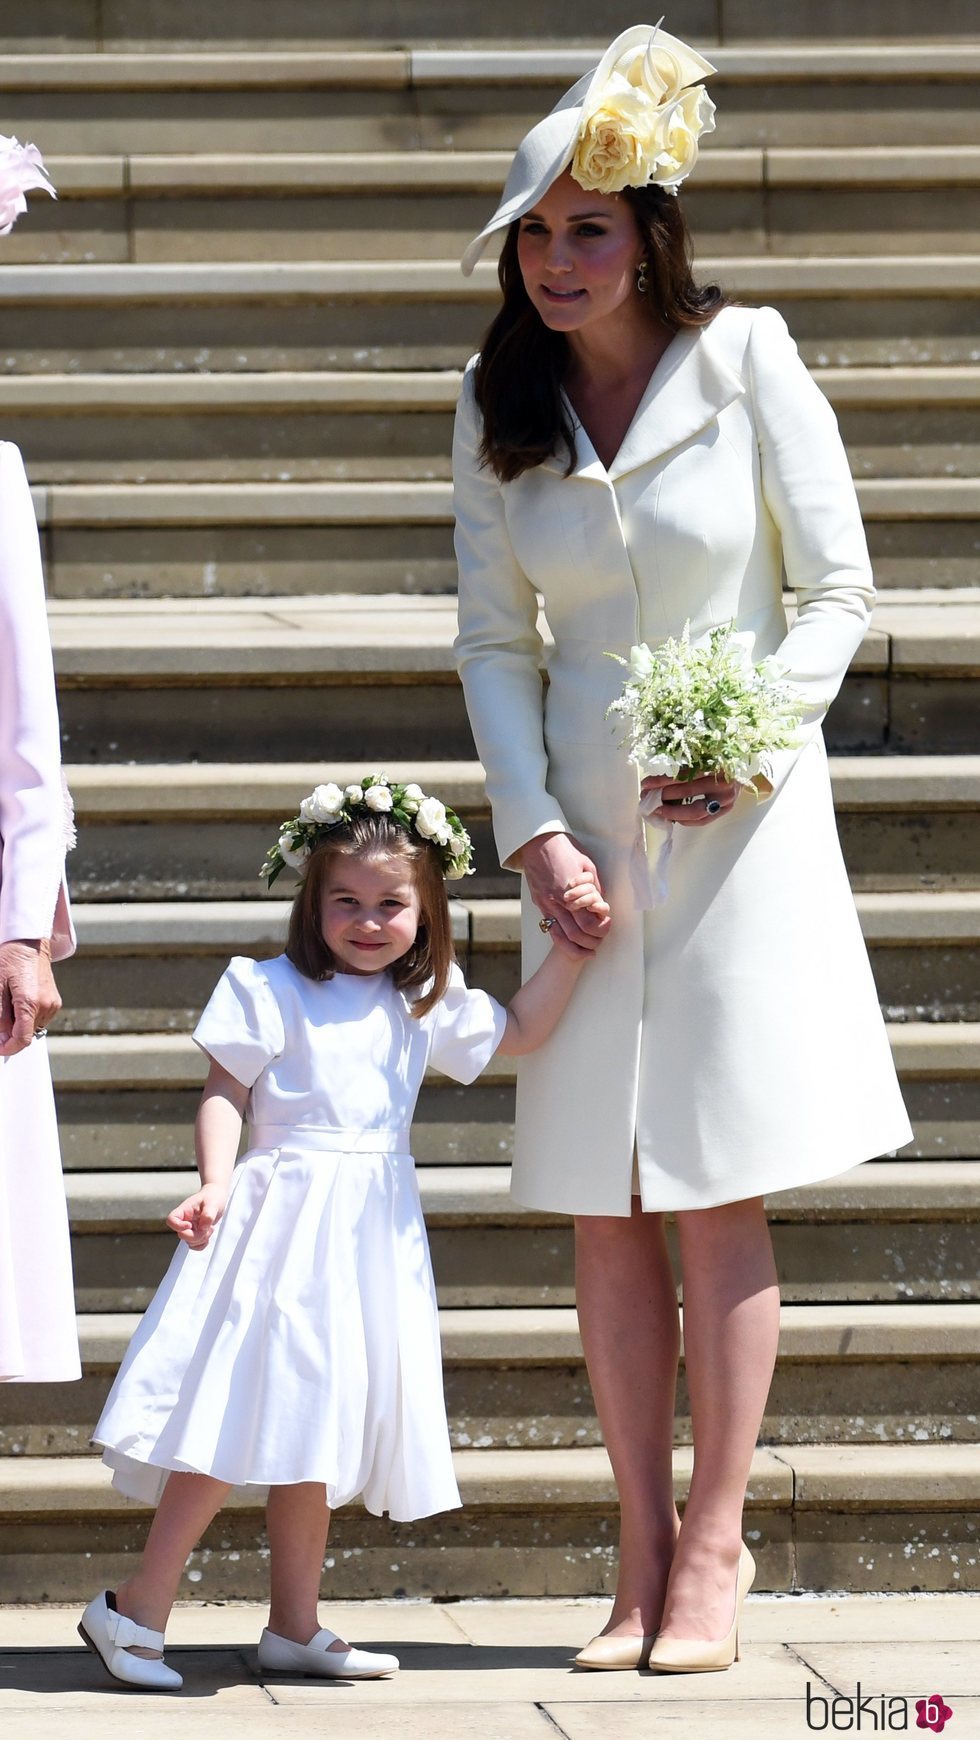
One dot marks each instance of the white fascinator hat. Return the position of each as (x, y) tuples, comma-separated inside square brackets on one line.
[(635, 121)]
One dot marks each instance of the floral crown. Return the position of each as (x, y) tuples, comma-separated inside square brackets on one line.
[(407, 805), (642, 121)]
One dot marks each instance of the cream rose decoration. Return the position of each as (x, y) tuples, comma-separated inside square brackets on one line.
[(684, 122), (619, 140), (412, 796), (378, 797)]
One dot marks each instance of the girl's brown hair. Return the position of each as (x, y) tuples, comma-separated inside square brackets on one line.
[(521, 367), (376, 836)]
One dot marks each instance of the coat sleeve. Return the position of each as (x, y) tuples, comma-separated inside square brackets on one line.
[(499, 649), (808, 491), (32, 803)]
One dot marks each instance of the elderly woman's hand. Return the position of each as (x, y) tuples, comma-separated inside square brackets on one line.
[(686, 801), (28, 994), (559, 875)]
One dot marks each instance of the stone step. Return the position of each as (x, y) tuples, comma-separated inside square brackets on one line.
[(395, 536), (149, 967), (361, 426), (895, 1231), (779, 93), (535, 1522), (418, 204), (515, 1379), (366, 672), (382, 314), (197, 830), (129, 1101)]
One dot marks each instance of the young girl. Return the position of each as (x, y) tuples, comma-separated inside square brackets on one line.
[(294, 1341)]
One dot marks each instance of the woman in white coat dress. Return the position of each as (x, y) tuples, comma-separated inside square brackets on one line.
[(643, 455), (38, 1342)]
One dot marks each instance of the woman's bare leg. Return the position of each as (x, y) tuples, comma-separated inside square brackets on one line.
[(731, 1332), (297, 1519), (189, 1502), (627, 1307)]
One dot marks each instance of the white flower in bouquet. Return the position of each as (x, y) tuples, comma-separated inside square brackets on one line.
[(691, 710)]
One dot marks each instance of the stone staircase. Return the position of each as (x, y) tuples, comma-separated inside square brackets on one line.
[(231, 354)]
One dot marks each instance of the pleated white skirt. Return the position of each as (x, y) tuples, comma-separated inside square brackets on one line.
[(301, 1345)]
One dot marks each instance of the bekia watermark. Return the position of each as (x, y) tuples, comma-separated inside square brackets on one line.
[(874, 1712)]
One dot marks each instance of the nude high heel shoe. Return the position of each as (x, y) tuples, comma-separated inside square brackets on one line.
[(612, 1653), (699, 1655)]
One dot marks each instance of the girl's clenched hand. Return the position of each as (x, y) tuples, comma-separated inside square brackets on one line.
[(195, 1219)]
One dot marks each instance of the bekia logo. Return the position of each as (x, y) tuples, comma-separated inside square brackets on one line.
[(874, 1712)]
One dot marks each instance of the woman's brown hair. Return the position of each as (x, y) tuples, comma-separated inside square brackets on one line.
[(521, 367), (376, 836)]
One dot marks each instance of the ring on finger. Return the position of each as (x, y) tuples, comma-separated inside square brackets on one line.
[(712, 806), (547, 924)]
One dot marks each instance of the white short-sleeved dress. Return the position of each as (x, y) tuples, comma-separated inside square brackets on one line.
[(303, 1343)]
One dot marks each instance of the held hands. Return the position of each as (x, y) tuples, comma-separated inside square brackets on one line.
[(28, 994), (195, 1219), (686, 801), (564, 885)]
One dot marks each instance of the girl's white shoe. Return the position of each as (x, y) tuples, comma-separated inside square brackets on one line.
[(109, 1635), (281, 1655)]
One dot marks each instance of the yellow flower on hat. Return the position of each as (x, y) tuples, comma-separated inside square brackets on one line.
[(642, 123)]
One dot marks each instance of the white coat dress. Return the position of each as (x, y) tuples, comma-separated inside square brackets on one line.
[(733, 1034), (38, 1342), (302, 1344)]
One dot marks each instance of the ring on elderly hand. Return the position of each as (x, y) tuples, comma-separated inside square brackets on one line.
[(40, 1033), (547, 924), (712, 806)]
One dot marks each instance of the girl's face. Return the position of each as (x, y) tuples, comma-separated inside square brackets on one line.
[(578, 253), (369, 915)]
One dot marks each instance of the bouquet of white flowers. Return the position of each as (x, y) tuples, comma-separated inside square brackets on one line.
[(692, 710)]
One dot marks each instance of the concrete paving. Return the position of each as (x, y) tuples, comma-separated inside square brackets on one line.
[(501, 1671)]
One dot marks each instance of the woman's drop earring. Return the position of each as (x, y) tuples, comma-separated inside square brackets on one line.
[(642, 281)]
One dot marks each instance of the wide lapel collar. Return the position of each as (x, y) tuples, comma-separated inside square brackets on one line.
[(691, 384)]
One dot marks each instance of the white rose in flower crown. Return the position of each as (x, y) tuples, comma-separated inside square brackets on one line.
[(294, 856), (323, 805), (354, 794), (412, 796), (431, 821), (378, 797)]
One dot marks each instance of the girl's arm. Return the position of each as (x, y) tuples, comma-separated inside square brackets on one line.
[(534, 1013), (217, 1132)]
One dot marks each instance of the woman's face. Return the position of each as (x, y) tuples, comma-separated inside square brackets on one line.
[(578, 253)]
